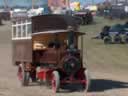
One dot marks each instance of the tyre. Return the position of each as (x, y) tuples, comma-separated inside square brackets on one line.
[(23, 76), (107, 40), (87, 78), (117, 39), (126, 39), (55, 81), (25, 81)]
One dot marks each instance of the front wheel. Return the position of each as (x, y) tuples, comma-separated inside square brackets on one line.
[(55, 81), (87, 78), (107, 40)]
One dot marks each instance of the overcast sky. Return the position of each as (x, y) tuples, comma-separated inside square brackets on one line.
[(28, 2)]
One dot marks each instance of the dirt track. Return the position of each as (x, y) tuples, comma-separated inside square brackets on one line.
[(104, 83)]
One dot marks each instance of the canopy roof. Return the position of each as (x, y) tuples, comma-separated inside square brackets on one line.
[(57, 32), (45, 23)]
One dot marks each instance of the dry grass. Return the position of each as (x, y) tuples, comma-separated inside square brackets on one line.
[(103, 61), (5, 33), (99, 55)]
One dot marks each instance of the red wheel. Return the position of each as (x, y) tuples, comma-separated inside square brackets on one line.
[(55, 81), (87, 78), (20, 76), (23, 76)]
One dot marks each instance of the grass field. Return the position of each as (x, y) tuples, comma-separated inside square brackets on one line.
[(110, 57), (107, 65)]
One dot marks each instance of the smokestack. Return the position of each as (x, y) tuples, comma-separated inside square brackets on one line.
[(67, 3)]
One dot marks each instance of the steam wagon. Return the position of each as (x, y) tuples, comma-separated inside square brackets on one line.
[(50, 53)]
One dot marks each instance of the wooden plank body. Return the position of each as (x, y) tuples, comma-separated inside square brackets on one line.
[(22, 51)]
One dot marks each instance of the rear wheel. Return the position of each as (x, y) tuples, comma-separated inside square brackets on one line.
[(107, 40), (23, 76), (55, 81), (126, 39), (117, 39)]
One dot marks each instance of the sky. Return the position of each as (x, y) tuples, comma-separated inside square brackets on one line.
[(28, 2), (21, 2)]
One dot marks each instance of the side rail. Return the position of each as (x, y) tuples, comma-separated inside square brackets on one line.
[(21, 30)]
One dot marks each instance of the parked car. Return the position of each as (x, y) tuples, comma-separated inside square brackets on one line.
[(117, 33), (85, 15)]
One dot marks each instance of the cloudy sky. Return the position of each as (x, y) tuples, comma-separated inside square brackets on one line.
[(28, 2)]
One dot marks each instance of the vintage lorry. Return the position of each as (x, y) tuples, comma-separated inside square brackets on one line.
[(49, 49)]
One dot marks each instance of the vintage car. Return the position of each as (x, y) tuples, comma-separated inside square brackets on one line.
[(116, 34), (85, 15), (52, 54)]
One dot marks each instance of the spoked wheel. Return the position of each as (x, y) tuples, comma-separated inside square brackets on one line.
[(117, 39), (126, 39), (107, 40), (87, 78), (23, 75), (55, 81)]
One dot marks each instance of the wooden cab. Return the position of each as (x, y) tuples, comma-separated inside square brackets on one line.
[(31, 37)]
